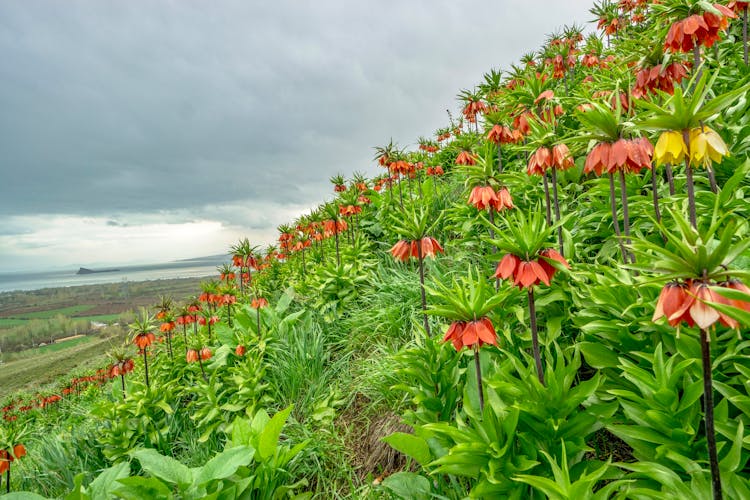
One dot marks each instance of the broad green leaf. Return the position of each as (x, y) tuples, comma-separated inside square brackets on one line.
[(408, 485), (598, 355), (138, 488), (224, 464), (269, 438), (105, 482), (410, 445), (166, 468), (242, 433)]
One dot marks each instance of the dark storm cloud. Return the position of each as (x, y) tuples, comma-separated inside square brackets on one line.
[(110, 107)]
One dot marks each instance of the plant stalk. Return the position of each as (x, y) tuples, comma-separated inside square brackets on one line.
[(613, 205), (625, 213), (336, 235), (421, 286), (200, 362), (258, 318), (557, 211), (655, 189), (535, 337), (546, 199), (670, 178), (478, 368), (708, 407), (690, 185), (145, 364), (122, 379)]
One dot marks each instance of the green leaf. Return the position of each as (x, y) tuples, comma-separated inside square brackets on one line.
[(598, 355), (105, 482), (269, 438), (408, 485), (166, 468), (137, 488), (224, 464), (410, 445), (242, 433)]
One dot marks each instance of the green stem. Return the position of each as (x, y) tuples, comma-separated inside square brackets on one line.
[(535, 337), (625, 214), (478, 368), (613, 205), (547, 200), (122, 379), (145, 364), (670, 178), (421, 287), (557, 211), (708, 407), (200, 362), (690, 185)]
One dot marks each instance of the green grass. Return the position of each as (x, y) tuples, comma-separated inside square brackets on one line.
[(46, 364), (64, 311), (10, 323)]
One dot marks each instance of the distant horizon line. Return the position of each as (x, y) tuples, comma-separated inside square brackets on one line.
[(75, 267)]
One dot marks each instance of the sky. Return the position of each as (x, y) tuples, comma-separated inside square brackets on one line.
[(154, 130)]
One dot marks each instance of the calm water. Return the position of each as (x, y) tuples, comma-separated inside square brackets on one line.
[(193, 268)]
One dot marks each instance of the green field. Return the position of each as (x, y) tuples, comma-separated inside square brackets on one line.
[(10, 323), (51, 313), (34, 368)]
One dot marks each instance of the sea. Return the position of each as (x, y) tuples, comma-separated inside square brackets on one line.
[(190, 268)]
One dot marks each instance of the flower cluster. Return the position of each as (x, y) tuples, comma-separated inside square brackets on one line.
[(193, 355), (527, 273), (469, 333), (698, 29), (504, 135), (465, 158), (658, 78), (542, 159), (7, 456), (121, 367), (686, 301), (485, 197), (706, 146), (404, 249), (628, 155)]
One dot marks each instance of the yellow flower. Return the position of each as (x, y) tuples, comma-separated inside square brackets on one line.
[(706, 147), (670, 148)]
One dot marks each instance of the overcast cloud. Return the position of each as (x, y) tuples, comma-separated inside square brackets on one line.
[(228, 116)]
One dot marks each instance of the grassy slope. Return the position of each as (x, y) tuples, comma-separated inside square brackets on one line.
[(46, 364)]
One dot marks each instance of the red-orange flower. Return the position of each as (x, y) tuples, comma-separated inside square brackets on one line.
[(465, 158), (483, 197), (527, 273), (561, 157), (143, 340), (240, 350), (191, 356), (205, 354), (401, 250), (468, 333), (167, 327), (698, 29), (539, 161), (259, 303)]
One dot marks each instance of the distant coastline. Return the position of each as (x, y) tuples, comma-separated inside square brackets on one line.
[(85, 270), (37, 280)]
